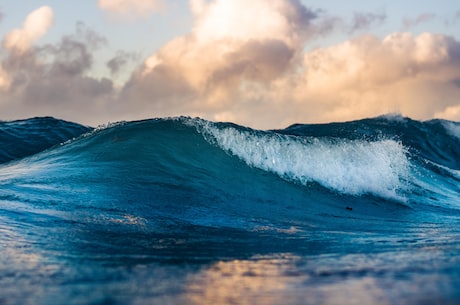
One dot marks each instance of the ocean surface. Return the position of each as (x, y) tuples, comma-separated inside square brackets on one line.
[(187, 211)]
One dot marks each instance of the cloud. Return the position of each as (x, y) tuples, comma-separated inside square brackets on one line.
[(413, 75), (363, 21), (232, 44), (417, 76), (244, 62), (197, 6), (131, 8), (423, 18), (5, 80), (450, 113), (271, 82), (231, 66), (121, 59), (35, 26), (53, 79)]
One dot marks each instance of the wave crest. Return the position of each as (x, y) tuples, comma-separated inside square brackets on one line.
[(353, 167)]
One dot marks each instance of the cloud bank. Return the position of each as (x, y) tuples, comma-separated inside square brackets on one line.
[(213, 68), (413, 75), (231, 67), (52, 79), (243, 62)]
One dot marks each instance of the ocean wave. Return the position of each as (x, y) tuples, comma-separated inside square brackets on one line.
[(23, 138), (353, 167), (379, 157), (188, 203)]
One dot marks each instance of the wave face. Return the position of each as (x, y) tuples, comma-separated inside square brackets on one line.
[(213, 209), (23, 138)]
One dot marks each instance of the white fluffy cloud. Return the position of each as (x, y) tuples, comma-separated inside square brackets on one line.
[(18, 41), (232, 45), (242, 61), (246, 62), (131, 8), (415, 75), (35, 26)]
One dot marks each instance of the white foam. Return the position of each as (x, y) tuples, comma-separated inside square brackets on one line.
[(349, 167), (452, 128)]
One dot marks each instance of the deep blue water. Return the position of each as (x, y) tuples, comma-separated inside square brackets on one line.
[(187, 211)]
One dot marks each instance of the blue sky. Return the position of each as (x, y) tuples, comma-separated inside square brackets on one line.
[(320, 61), (140, 35), (176, 18), (146, 35)]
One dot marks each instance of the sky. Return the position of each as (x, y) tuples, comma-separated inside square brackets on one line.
[(260, 63)]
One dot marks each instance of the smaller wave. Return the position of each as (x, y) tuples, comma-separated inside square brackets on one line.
[(352, 167), (22, 138)]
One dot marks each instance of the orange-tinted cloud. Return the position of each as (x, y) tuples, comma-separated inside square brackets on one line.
[(414, 75), (243, 62), (131, 8), (5, 80), (35, 26), (18, 41), (233, 45), (254, 70)]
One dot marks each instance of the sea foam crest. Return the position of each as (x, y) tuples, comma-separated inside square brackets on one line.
[(452, 128), (349, 167)]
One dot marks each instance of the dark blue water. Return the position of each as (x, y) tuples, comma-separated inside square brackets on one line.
[(186, 211), (23, 138)]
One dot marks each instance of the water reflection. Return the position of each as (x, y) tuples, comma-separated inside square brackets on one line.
[(278, 280), (290, 279), (258, 281)]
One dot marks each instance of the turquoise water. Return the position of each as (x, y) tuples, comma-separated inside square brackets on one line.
[(187, 211)]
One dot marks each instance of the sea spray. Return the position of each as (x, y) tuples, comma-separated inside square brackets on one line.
[(353, 167)]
